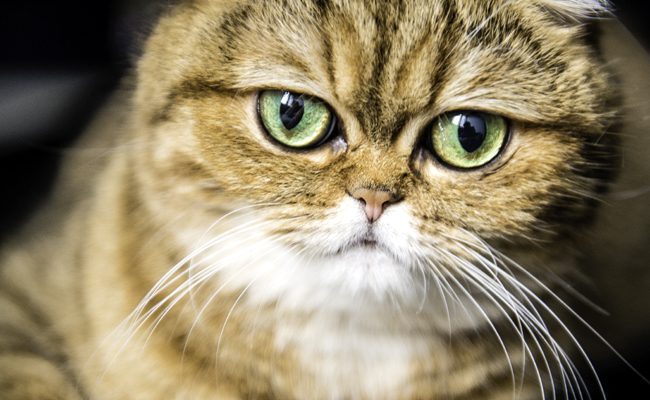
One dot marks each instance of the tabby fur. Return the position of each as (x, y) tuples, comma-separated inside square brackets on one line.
[(196, 258)]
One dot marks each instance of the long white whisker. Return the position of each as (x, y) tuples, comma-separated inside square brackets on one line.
[(231, 310), (524, 311), (200, 278), (529, 294), (263, 300), (488, 320), (136, 319), (178, 293), (165, 281)]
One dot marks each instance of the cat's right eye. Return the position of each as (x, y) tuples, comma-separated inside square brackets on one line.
[(295, 119)]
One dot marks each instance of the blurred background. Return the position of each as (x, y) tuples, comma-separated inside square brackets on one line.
[(60, 60)]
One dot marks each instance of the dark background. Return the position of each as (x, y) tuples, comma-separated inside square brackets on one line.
[(60, 60)]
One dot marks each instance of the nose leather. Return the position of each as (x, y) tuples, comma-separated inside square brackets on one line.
[(374, 202)]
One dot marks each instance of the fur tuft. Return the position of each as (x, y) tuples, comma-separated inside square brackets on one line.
[(578, 9)]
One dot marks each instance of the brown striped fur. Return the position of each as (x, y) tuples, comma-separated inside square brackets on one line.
[(189, 161)]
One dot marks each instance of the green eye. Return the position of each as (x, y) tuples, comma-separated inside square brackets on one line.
[(295, 119), (468, 139)]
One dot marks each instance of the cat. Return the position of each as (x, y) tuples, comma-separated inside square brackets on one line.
[(330, 200)]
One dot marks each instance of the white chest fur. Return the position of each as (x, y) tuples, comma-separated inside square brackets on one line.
[(357, 319)]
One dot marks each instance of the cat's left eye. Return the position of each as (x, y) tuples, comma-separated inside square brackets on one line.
[(294, 119), (468, 139)]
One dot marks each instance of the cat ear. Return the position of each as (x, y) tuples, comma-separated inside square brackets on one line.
[(577, 10)]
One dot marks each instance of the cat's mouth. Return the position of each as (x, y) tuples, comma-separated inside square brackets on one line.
[(366, 246), (368, 243)]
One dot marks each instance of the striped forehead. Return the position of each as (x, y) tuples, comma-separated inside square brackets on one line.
[(407, 50), (383, 61)]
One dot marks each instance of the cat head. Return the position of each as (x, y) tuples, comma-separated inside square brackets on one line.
[(415, 132)]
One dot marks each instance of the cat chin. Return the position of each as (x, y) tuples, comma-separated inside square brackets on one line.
[(366, 273)]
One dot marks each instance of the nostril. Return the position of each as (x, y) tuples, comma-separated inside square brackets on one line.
[(374, 202)]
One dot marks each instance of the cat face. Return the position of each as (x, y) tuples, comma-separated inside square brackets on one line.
[(378, 146), (388, 76), (338, 169)]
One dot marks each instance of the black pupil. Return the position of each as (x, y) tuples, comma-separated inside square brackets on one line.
[(292, 107), (471, 132)]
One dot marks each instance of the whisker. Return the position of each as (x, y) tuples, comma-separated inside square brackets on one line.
[(263, 300), (539, 327), (200, 278), (136, 319), (488, 320), (179, 292), (230, 312), (531, 296)]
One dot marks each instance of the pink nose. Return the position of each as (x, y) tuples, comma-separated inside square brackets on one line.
[(374, 202)]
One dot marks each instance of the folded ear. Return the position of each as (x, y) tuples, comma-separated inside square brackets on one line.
[(618, 253), (576, 11)]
